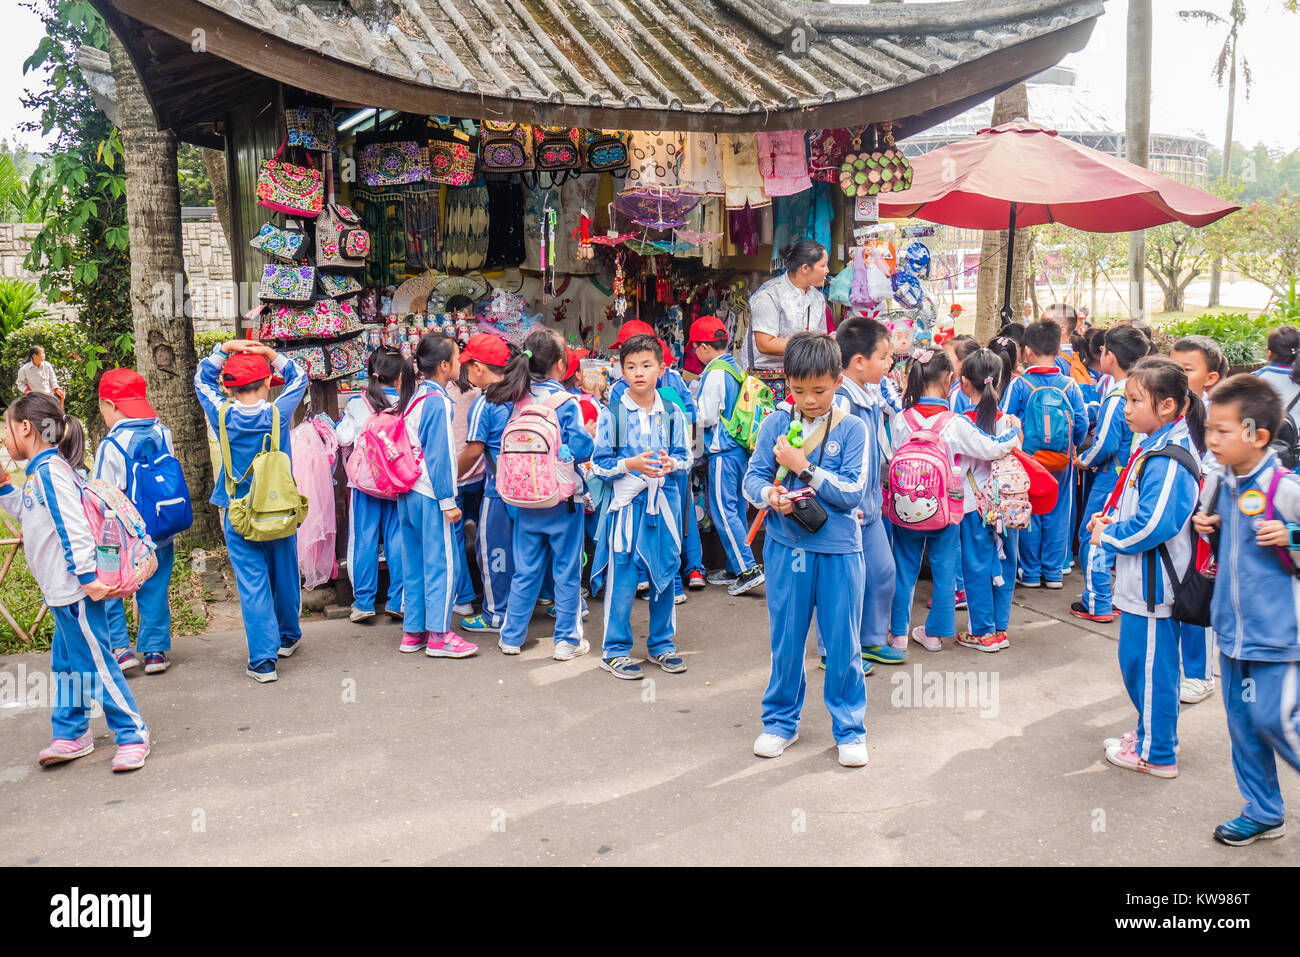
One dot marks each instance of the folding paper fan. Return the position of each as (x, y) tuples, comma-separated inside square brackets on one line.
[(657, 208), (411, 295)]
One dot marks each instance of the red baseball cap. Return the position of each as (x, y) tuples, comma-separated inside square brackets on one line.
[(956, 307), (709, 329), (125, 388), (245, 368), (633, 327), (575, 357), (486, 348)]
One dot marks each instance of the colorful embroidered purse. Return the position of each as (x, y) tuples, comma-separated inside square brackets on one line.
[(393, 164), (338, 285), (311, 127), (451, 158), (604, 150), (287, 188), (323, 319), (346, 358), (556, 148), (287, 283), (286, 245), (505, 147), (311, 358), (341, 243)]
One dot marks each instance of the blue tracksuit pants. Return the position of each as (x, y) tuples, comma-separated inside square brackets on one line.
[(1197, 647), (621, 577), (727, 507), (83, 667), (428, 565), (692, 550), (546, 538), (987, 561), (270, 592), (1096, 588), (154, 629), (373, 519), (878, 592), (800, 583), (468, 500), (1148, 662), (495, 557), (909, 546), (1045, 544), (1263, 723)]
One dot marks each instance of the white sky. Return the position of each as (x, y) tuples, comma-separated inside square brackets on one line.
[(1185, 95)]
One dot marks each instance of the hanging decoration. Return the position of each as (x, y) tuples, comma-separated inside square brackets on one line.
[(872, 172), (582, 233), (657, 207), (619, 292), (547, 253)]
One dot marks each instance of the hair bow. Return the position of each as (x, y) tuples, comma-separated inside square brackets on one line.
[(923, 355)]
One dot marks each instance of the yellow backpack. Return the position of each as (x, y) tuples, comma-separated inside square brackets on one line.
[(273, 507)]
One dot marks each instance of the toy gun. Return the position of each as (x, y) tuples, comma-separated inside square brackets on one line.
[(795, 438)]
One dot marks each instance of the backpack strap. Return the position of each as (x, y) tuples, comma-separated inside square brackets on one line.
[(1188, 461), (1283, 556), (222, 414)]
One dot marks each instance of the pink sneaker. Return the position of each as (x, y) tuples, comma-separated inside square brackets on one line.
[(928, 642), (980, 642), (1126, 740), (1126, 756), (898, 642), (66, 749), (448, 645), (412, 642), (130, 757)]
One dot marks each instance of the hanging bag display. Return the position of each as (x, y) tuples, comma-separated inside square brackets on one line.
[(555, 148), (393, 164), (323, 319), (311, 127), (341, 243), (282, 283), (288, 188), (284, 245), (338, 285), (451, 158), (603, 150), (505, 148)]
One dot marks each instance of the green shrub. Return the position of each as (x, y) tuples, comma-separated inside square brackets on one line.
[(19, 304), (204, 342), (1241, 337), (74, 359)]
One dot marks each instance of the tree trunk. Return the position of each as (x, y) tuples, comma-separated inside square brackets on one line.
[(1216, 267), (164, 334), (1137, 136), (1007, 106), (214, 161)]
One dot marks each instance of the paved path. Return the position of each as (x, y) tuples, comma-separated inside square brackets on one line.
[(359, 755)]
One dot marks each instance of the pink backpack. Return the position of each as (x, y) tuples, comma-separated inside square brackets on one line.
[(383, 462), (529, 471), (924, 490), (124, 553)]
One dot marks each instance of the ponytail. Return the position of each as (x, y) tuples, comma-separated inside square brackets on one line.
[(1284, 349), (498, 392), (387, 368), (543, 351), (928, 367), (984, 370), (53, 425), (433, 350)]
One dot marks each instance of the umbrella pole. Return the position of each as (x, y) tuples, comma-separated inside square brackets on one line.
[(1007, 311)]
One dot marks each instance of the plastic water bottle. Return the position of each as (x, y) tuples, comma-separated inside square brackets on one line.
[(108, 554), (564, 454)]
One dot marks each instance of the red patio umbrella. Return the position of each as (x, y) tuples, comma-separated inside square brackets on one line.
[(1020, 174)]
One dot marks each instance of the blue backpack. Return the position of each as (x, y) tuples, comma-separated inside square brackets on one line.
[(156, 486), (1049, 427)]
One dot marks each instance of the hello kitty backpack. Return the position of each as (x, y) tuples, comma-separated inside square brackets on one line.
[(530, 473), (923, 490)]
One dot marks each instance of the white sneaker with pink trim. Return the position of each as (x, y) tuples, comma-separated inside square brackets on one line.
[(928, 642)]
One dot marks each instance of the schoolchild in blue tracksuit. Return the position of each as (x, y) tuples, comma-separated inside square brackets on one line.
[(1112, 444), (134, 432), (959, 348), (1045, 545), (928, 380), (641, 439), (469, 490), (726, 459), (60, 553), (988, 553), (485, 357), (1156, 500), (867, 352), (266, 573), (1255, 613), (548, 537), (429, 509), (371, 519), (1283, 369), (809, 572)]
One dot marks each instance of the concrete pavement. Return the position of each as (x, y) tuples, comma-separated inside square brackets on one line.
[(361, 755)]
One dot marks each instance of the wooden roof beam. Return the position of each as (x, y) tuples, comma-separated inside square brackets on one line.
[(375, 54), (318, 39), (464, 79)]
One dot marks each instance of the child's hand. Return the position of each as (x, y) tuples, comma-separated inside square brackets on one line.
[(1273, 533), (591, 427), (774, 500), (1205, 524), (452, 514), (97, 590), (239, 345), (1098, 524), (665, 462), (647, 463), (789, 456)]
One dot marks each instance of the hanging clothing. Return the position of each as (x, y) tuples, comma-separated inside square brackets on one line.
[(805, 215), (655, 157), (423, 234), (826, 152), (742, 230), (702, 164), (505, 224), (783, 162), (466, 238), (383, 216), (740, 176)]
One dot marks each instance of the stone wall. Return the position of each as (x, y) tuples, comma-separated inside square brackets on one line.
[(207, 264)]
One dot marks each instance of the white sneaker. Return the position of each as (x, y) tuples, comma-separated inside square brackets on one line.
[(508, 649), (679, 599), (1048, 583), (898, 642), (360, 614), (773, 745), (1194, 690), (925, 640), (853, 755), (463, 608), (567, 650)]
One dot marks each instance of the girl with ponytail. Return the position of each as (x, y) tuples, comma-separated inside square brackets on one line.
[(61, 554), (375, 520)]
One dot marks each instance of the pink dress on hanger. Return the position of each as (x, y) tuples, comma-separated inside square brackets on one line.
[(783, 163)]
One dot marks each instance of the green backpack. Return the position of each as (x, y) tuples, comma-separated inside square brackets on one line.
[(754, 403), (273, 507)]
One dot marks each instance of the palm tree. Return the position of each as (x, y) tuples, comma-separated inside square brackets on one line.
[(15, 197), (1226, 65)]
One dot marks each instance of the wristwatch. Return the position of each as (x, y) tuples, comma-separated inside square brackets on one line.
[(806, 476)]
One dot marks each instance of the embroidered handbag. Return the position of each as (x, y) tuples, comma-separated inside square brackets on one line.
[(288, 188), (323, 319), (505, 147), (286, 245), (341, 243), (604, 150), (451, 158), (556, 148), (347, 357), (393, 164), (311, 127), (338, 285), (282, 283), (311, 358)]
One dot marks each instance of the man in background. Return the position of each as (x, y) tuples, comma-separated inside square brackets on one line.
[(38, 375)]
